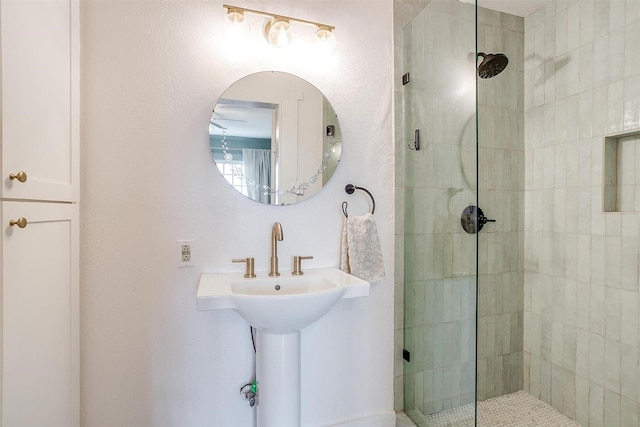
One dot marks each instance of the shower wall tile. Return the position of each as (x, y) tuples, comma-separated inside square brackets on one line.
[(612, 362), (582, 354), (600, 70), (630, 223), (586, 67), (613, 264), (569, 355), (557, 387), (587, 10), (597, 317), (569, 394), (616, 14), (615, 106), (601, 24), (628, 412), (581, 281), (545, 380), (583, 296), (628, 363), (611, 408), (632, 44), (632, 101), (612, 313), (629, 264), (613, 225), (596, 405), (582, 401), (573, 40)]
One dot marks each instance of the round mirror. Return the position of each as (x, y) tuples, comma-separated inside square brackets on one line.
[(275, 138)]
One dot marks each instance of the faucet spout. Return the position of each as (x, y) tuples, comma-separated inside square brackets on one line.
[(276, 235)]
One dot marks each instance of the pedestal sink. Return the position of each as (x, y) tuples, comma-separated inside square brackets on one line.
[(279, 308)]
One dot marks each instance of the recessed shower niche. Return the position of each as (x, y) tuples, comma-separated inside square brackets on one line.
[(622, 172)]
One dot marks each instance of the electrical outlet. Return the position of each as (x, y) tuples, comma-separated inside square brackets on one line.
[(185, 253)]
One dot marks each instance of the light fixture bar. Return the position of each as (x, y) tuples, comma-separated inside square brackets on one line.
[(272, 15)]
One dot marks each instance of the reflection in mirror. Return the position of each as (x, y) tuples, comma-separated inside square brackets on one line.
[(275, 138)]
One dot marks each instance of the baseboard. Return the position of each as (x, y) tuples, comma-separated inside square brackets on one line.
[(383, 419)]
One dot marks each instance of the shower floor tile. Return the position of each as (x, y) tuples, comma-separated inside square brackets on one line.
[(518, 409)]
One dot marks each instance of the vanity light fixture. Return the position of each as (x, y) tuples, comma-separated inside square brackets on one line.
[(278, 31)]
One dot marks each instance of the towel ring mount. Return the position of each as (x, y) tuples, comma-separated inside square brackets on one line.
[(350, 189)]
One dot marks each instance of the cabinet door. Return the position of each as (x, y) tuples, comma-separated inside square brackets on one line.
[(39, 53), (40, 334)]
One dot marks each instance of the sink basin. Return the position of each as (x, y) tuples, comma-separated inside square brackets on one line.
[(280, 304), (281, 286)]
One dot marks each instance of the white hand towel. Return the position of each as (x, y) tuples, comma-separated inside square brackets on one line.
[(344, 249), (361, 255)]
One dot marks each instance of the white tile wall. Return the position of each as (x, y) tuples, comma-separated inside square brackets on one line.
[(582, 67)]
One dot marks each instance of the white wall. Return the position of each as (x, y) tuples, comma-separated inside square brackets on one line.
[(151, 74)]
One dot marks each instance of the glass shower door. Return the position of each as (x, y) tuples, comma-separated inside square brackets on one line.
[(438, 184)]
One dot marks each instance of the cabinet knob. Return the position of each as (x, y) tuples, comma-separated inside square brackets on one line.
[(20, 176), (20, 222)]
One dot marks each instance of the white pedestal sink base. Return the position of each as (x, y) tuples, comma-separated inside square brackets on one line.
[(278, 377), (279, 307)]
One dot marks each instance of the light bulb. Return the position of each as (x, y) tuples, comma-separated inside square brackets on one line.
[(235, 26), (324, 33), (325, 40), (235, 16), (277, 32)]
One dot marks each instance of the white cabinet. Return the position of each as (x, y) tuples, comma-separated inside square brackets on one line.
[(40, 65), (39, 135), (40, 315)]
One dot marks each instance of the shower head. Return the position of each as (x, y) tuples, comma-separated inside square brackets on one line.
[(492, 64)]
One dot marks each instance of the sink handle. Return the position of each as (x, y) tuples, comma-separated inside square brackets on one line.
[(249, 270), (297, 265)]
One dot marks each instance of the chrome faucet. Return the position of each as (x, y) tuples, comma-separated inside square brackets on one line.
[(276, 234)]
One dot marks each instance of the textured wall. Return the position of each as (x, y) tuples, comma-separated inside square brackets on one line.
[(582, 82), (151, 74)]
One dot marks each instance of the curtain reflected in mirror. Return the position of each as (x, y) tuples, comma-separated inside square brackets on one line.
[(257, 167)]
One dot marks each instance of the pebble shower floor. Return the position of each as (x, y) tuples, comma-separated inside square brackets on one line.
[(518, 409)]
